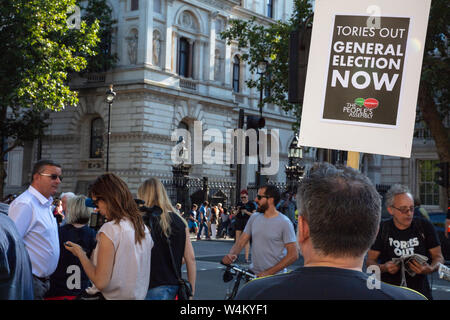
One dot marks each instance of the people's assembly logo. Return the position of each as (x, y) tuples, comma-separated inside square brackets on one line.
[(361, 108)]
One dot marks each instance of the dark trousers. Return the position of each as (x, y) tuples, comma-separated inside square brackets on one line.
[(40, 287)]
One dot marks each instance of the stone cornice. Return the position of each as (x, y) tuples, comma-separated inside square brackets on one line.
[(61, 138), (140, 136)]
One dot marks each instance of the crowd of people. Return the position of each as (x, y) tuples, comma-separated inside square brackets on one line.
[(334, 222), (60, 257)]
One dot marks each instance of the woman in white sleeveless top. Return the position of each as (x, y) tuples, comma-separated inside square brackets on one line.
[(120, 266)]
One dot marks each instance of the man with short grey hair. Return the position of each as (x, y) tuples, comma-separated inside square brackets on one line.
[(403, 236), (339, 215)]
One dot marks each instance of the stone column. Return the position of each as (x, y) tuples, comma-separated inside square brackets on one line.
[(148, 31), (212, 46), (170, 53)]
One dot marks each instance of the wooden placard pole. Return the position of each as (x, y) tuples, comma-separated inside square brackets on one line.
[(353, 160)]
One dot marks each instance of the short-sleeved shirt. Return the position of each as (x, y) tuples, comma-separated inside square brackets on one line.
[(398, 243), (131, 270), (242, 218), (32, 214), (323, 283), (269, 238)]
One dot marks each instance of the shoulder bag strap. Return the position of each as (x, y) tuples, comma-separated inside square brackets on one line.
[(172, 259)]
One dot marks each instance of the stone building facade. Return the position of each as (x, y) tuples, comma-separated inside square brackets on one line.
[(174, 71)]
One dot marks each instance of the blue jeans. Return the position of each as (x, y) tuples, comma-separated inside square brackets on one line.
[(203, 226), (168, 292)]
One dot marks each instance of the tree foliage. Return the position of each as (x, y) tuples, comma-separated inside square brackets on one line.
[(258, 42), (105, 59), (38, 50)]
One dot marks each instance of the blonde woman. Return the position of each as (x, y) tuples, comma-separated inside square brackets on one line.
[(120, 269), (163, 281)]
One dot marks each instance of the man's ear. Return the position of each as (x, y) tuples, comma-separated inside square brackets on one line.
[(303, 229)]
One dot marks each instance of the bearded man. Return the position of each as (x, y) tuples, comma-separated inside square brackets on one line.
[(273, 237)]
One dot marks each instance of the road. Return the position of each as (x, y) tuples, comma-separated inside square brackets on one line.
[(210, 285)]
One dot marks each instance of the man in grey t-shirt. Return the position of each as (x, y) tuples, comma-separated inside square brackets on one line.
[(274, 243)]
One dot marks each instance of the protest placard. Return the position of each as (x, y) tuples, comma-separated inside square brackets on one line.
[(363, 75)]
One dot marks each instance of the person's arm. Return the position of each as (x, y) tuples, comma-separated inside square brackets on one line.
[(436, 258), (189, 258), (236, 249), (253, 210), (372, 259), (290, 258), (447, 225), (100, 274), (22, 215)]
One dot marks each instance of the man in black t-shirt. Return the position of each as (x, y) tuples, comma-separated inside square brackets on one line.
[(340, 212), (245, 209), (401, 236)]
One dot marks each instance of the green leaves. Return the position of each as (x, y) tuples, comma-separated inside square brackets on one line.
[(38, 52), (258, 42)]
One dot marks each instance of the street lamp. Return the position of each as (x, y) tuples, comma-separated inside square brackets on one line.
[(261, 70), (295, 151), (110, 95), (294, 170)]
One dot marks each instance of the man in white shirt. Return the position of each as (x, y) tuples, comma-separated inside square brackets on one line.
[(32, 214)]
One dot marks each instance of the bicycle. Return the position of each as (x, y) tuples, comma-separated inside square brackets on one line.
[(231, 271)]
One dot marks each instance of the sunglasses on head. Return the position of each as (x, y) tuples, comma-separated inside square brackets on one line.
[(52, 176)]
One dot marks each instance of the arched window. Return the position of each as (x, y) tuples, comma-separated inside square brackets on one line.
[(97, 130), (236, 73)]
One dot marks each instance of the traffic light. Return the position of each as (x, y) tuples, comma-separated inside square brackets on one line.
[(299, 42), (255, 122), (441, 176)]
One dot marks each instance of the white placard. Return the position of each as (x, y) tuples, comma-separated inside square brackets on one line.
[(363, 75)]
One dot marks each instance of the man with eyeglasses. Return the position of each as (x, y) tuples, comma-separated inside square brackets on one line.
[(273, 238), (32, 214), (401, 236)]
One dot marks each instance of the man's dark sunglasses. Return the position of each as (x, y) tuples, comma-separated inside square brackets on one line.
[(261, 196), (52, 176)]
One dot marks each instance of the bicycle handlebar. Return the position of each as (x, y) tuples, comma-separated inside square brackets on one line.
[(239, 269)]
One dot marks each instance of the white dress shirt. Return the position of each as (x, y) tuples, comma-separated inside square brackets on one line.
[(32, 214)]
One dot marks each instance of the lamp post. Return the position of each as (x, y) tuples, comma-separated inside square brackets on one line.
[(110, 95), (294, 169), (261, 70)]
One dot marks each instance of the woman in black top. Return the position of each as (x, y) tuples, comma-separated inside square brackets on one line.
[(163, 282)]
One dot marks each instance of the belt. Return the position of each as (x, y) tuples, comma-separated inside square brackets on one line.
[(42, 279)]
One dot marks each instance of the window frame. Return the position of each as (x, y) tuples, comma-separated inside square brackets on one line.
[(236, 76), (427, 178), (93, 138)]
